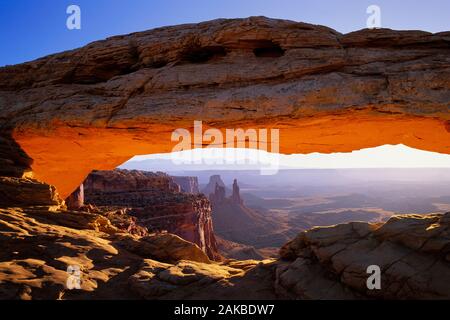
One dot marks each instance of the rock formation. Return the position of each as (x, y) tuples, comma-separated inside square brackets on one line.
[(412, 251), (327, 92), (76, 199), (122, 181), (218, 196), (94, 108), (187, 184), (214, 181), (235, 222), (14, 162), (114, 264), (236, 196), (25, 192), (157, 203)]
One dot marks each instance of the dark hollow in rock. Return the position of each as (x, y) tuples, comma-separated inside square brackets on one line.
[(266, 48), (197, 54)]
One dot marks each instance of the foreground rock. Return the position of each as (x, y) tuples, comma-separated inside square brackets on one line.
[(238, 251), (41, 245), (191, 280), (323, 263), (413, 252), (26, 192)]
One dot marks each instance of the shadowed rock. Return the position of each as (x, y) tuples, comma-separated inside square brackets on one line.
[(412, 251)]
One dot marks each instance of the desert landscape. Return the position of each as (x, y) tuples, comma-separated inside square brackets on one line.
[(79, 222), (141, 235)]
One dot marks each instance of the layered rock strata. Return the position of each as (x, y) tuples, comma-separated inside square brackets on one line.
[(187, 184), (157, 202), (323, 263), (412, 252)]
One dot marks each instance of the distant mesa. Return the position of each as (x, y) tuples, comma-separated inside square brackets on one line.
[(218, 196), (211, 186)]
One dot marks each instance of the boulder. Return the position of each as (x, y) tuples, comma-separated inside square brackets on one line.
[(332, 262), (165, 247), (19, 192)]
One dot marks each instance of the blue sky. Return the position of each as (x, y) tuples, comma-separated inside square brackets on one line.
[(30, 29)]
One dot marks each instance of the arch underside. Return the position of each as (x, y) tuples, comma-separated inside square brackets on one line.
[(75, 152)]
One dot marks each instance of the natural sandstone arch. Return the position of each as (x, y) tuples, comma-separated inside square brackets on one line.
[(96, 107)]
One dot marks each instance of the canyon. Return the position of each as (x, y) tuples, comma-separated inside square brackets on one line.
[(65, 115), (157, 203), (236, 222), (321, 263)]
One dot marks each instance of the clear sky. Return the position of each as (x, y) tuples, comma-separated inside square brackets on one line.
[(30, 29)]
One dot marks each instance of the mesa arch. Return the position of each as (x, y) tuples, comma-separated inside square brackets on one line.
[(98, 106)]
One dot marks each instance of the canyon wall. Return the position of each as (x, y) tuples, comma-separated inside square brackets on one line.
[(157, 202), (123, 181), (187, 184), (76, 199)]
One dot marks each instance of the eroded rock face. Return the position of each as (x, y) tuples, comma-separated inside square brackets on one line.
[(214, 182), (157, 202), (218, 196), (14, 162), (236, 222), (187, 184), (166, 247), (15, 192), (122, 181), (76, 199), (322, 263), (98, 106), (113, 264), (242, 280), (236, 195), (412, 252)]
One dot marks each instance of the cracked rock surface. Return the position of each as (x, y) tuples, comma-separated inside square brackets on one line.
[(39, 245), (412, 251)]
